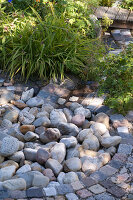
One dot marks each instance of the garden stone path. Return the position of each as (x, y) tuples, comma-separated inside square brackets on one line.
[(118, 39), (113, 181)]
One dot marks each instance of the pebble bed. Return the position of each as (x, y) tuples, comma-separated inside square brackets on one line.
[(63, 143)]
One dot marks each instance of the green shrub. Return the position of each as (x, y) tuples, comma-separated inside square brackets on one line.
[(118, 80), (75, 12), (47, 48), (106, 2), (78, 13), (48, 43), (24, 6), (128, 4)]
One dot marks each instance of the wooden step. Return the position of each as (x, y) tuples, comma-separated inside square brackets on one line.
[(122, 18)]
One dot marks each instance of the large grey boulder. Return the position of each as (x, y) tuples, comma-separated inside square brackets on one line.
[(42, 156), (30, 136), (42, 114), (27, 95), (6, 124), (26, 118), (73, 152), (56, 117), (102, 118), (91, 164), (71, 196), (61, 177), (28, 177), (42, 121), (6, 97), (68, 129), (83, 134), (54, 165), (69, 142), (35, 102), (17, 157), (47, 108), (99, 127), (50, 135), (15, 184), (3, 134), (72, 164), (24, 169), (50, 191), (11, 115), (9, 163), (68, 113), (70, 177), (74, 106), (7, 172), (58, 152), (30, 154), (78, 120), (40, 181), (110, 141), (9, 146), (82, 111), (34, 111), (91, 142)]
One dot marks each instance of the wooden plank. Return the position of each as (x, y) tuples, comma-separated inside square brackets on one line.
[(118, 25), (100, 12), (112, 12), (122, 15), (130, 18)]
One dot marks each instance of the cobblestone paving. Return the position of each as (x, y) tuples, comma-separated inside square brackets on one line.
[(117, 39), (113, 181)]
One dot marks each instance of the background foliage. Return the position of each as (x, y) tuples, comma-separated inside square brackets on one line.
[(128, 4), (51, 41), (106, 2), (117, 82)]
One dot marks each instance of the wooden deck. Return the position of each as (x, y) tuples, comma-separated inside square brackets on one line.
[(122, 18)]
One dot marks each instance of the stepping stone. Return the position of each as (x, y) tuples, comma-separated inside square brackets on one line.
[(126, 149), (122, 129), (84, 193), (97, 189), (116, 191)]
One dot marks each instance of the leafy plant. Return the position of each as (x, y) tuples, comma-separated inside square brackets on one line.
[(106, 2), (46, 48), (49, 43), (128, 4), (78, 13), (75, 12), (106, 22), (118, 80)]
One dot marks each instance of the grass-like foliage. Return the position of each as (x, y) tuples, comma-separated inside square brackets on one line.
[(47, 46), (118, 80)]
